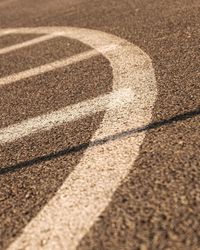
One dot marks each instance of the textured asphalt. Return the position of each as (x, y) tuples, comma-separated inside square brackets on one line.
[(158, 205)]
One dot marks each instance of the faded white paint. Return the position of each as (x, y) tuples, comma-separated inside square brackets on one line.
[(54, 65), (114, 100), (28, 43), (87, 191)]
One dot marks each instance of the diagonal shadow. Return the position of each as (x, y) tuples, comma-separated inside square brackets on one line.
[(74, 149)]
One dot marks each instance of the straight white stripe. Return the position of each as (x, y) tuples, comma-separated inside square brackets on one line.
[(5, 33), (54, 65), (71, 113), (28, 43)]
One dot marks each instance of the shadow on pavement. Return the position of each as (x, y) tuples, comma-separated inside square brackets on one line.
[(74, 149)]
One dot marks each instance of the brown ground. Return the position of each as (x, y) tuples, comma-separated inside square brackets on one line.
[(158, 206)]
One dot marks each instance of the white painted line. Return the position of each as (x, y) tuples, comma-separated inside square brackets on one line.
[(54, 65), (64, 221), (28, 43), (4, 33), (114, 100)]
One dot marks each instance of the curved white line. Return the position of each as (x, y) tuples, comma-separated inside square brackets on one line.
[(84, 195)]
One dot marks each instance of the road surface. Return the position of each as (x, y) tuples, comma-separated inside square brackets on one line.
[(99, 125)]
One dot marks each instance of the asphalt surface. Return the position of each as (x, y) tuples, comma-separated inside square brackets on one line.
[(158, 205)]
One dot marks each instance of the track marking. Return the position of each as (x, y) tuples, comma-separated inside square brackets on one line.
[(54, 65), (69, 215), (5, 33), (71, 113), (28, 43)]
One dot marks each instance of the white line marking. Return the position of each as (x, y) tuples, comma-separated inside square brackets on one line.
[(71, 113), (54, 65), (28, 43), (63, 222), (5, 33)]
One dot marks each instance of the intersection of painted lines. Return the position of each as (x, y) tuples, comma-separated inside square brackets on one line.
[(114, 100), (54, 65), (67, 114), (89, 188), (50, 66)]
